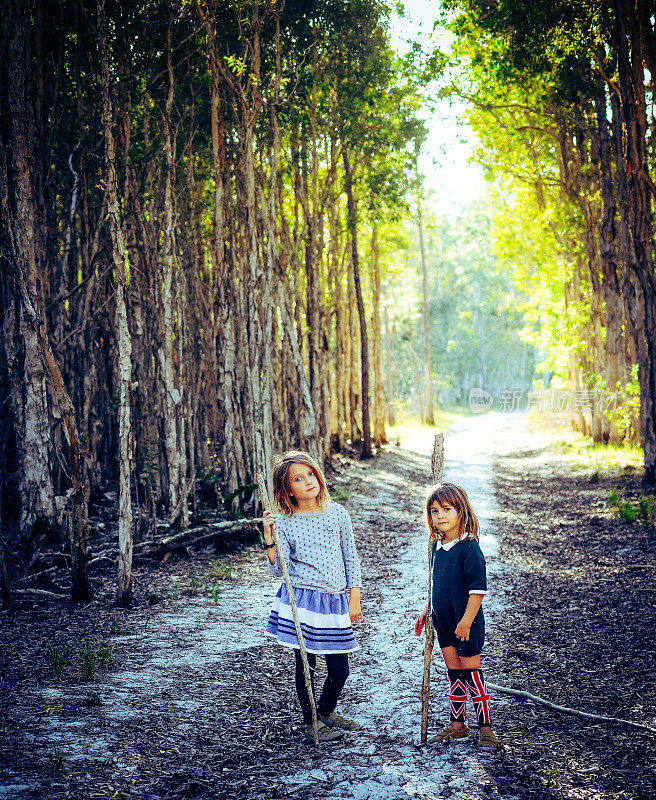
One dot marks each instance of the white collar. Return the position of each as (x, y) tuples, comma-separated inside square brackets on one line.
[(448, 545)]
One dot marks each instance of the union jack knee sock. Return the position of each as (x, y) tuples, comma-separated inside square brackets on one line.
[(478, 688), (458, 694)]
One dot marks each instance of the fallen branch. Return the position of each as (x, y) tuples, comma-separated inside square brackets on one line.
[(564, 709), (40, 593), (226, 525), (100, 561), (206, 537), (193, 535)]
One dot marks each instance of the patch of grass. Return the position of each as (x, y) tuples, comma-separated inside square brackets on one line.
[(195, 584), (93, 655), (58, 656), (215, 592), (218, 569), (601, 459), (340, 494), (647, 508), (175, 593), (105, 654), (116, 629), (58, 760), (88, 661), (643, 510)]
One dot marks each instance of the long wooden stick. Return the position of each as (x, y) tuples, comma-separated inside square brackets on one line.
[(292, 601), (437, 464), (564, 709)]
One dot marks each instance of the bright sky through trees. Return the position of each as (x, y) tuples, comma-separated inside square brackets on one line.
[(452, 179)]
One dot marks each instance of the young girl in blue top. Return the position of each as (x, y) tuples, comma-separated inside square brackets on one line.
[(458, 585), (316, 538)]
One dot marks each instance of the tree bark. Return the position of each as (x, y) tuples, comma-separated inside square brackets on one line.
[(610, 264), (122, 273), (24, 354), (172, 393), (637, 209), (352, 225), (428, 370), (379, 406)]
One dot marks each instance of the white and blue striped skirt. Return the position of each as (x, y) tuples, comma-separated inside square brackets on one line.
[(324, 618)]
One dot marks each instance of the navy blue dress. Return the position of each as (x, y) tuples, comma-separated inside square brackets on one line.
[(457, 572)]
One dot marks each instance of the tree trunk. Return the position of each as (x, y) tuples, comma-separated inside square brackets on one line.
[(352, 225), (122, 274), (230, 445), (610, 265), (389, 370), (638, 212), (379, 434), (428, 370), (172, 394), (24, 354)]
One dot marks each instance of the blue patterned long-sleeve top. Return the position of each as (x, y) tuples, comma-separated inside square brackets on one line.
[(319, 550)]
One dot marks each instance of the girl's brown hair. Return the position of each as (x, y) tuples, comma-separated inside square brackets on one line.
[(448, 494), (281, 490)]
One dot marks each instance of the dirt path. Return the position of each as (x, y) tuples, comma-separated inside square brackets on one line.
[(198, 704)]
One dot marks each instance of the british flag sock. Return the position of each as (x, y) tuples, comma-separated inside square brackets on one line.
[(458, 694), (481, 698)]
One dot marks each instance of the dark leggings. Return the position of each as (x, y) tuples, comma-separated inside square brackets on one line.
[(338, 671)]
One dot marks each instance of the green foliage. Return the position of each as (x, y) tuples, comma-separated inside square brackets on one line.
[(340, 494), (643, 510), (94, 654), (58, 656), (58, 760), (218, 569), (475, 312), (89, 661), (115, 628), (625, 411)]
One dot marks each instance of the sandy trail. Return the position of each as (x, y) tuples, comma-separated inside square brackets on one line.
[(171, 675)]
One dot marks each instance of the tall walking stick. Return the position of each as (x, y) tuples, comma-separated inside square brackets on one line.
[(292, 600), (437, 463)]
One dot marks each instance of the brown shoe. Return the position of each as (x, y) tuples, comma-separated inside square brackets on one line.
[(337, 721), (487, 740), (325, 734), (449, 734)]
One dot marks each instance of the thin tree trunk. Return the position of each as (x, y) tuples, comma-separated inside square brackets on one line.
[(428, 370), (352, 225), (638, 209), (379, 434), (172, 399), (389, 370), (610, 265), (28, 387), (121, 271)]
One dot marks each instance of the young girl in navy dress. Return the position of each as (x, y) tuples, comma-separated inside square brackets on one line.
[(317, 542), (458, 584)]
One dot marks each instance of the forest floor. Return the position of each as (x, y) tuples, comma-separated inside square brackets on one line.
[(186, 698)]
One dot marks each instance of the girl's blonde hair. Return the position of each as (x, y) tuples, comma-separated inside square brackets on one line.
[(281, 490), (448, 494)]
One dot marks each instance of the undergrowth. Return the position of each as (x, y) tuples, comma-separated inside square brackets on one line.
[(642, 510)]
